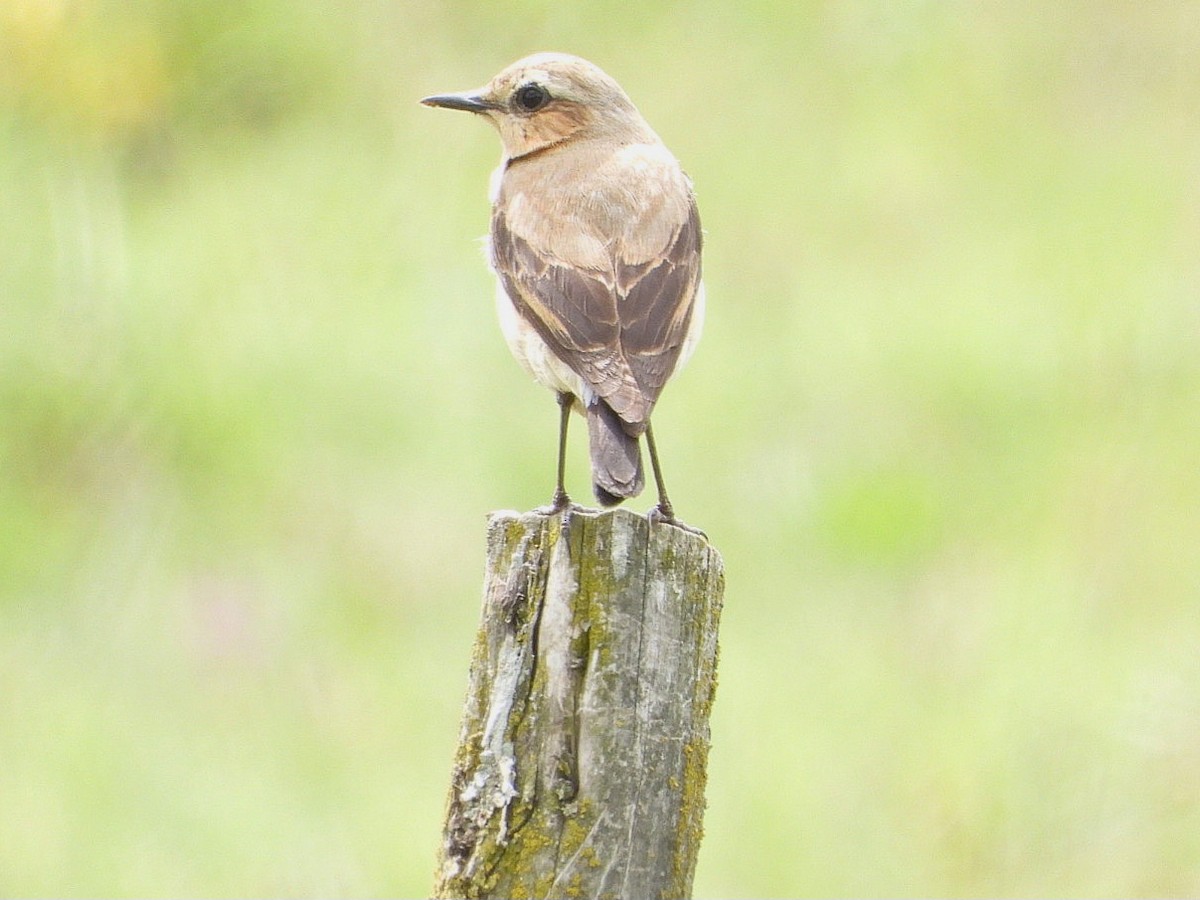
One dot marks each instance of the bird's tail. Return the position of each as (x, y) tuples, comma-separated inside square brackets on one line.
[(616, 456)]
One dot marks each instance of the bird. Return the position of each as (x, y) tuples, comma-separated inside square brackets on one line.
[(595, 240)]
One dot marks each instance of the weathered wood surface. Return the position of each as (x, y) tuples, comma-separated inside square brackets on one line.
[(582, 758)]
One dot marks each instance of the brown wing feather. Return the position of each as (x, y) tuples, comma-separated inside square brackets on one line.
[(622, 334), (575, 313), (656, 307)]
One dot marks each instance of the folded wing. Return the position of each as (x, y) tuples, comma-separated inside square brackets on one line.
[(620, 329)]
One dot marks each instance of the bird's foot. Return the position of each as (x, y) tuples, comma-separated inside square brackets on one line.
[(664, 514), (560, 505)]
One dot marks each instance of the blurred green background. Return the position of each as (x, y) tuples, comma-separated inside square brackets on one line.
[(944, 427)]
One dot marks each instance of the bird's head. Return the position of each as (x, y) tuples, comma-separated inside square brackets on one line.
[(548, 99)]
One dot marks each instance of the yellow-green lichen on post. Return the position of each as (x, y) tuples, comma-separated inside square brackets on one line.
[(580, 769)]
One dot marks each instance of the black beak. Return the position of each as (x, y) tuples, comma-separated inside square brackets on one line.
[(470, 101)]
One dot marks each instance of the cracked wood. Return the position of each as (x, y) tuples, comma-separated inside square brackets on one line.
[(582, 756)]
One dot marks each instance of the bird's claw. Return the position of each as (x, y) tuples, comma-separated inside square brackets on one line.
[(560, 505), (660, 516)]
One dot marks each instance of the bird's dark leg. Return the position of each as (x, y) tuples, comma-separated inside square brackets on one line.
[(561, 501), (663, 512)]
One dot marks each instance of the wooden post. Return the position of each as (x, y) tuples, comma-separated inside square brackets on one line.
[(582, 758)]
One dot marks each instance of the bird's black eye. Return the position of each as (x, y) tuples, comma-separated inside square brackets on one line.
[(531, 97)]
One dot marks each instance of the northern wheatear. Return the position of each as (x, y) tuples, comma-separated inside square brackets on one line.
[(595, 240)]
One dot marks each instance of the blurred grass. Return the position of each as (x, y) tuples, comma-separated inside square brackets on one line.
[(943, 427)]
